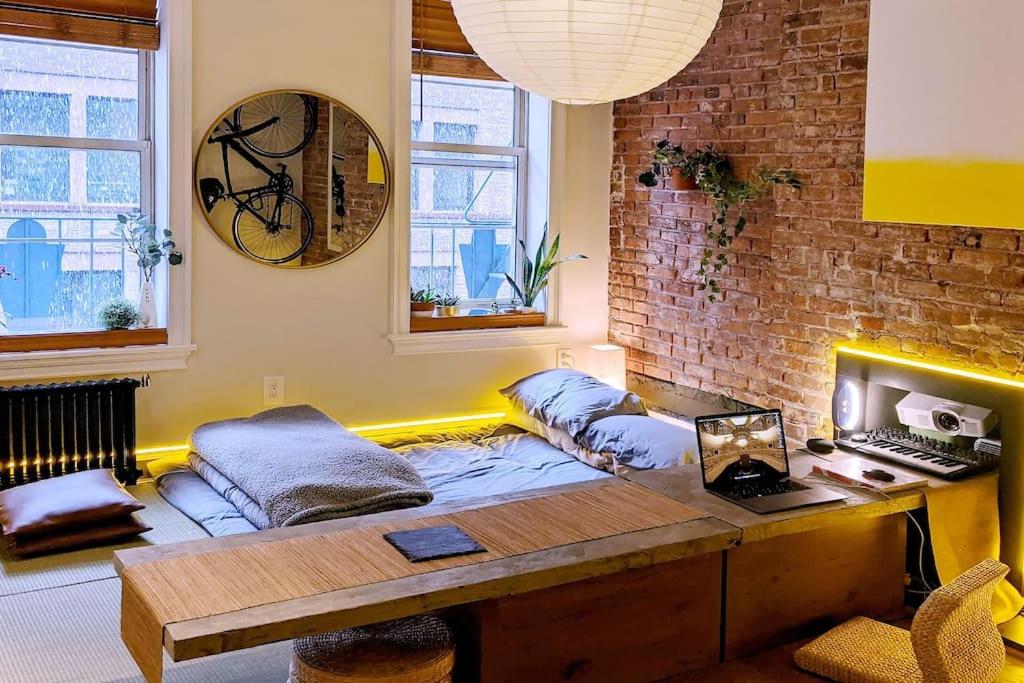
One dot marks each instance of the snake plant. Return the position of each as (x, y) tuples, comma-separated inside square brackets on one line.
[(537, 272)]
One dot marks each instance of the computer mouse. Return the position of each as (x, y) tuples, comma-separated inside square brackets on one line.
[(823, 446), (879, 475)]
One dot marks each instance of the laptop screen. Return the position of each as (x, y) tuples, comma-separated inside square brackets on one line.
[(742, 448)]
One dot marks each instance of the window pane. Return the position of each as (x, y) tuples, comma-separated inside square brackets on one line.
[(112, 178), (454, 106), (34, 174), (464, 225), (42, 83), (476, 188), (470, 263), (65, 267), (111, 117), (34, 113)]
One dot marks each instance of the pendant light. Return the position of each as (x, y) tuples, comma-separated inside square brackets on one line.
[(587, 51)]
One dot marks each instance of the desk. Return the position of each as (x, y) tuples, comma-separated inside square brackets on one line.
[(794, 570), (588, 608)]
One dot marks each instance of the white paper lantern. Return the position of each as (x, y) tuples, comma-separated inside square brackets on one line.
[(587, 51)]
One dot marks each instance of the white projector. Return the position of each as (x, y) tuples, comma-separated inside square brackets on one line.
[(944, 416)]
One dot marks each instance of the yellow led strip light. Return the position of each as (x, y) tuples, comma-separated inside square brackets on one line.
[(362, 429), (934, 367)]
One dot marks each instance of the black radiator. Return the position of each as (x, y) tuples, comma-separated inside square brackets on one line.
[(55, 429)]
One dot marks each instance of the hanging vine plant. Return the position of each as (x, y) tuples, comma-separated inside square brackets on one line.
[(714, 176)]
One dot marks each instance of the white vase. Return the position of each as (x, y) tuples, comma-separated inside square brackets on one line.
[(147, 306)]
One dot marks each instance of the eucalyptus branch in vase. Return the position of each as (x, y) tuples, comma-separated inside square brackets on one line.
[(141, 238)]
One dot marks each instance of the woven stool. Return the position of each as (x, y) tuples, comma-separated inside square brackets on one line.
[(414, 650)]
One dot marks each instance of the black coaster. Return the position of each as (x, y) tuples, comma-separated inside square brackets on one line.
[(433, 543)]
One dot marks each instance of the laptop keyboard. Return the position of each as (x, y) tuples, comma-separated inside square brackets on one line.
[(759, 490)]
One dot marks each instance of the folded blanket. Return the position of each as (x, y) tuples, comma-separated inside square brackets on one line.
[(229, 491), (301, 466)]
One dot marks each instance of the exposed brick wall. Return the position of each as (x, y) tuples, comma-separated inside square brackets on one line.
[(782, 83), (363, 199), (316, 186)]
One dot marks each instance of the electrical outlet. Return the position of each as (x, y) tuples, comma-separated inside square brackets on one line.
[(273, 391), (566, 359)]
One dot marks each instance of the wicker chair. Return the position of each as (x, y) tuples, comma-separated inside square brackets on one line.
[(413, 650), (952, 639)]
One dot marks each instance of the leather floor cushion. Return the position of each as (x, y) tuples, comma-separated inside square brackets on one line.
[(70, 502), (120, 529)]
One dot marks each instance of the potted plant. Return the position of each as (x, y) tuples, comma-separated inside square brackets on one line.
[(670, 164), (4, 315), (421, 302), (537, 272), (119, 314), (716, 178), (447, 306), (140, 238)]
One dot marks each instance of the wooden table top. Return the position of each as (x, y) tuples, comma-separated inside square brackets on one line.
[(717, 526), (684, 484), (241, 626)]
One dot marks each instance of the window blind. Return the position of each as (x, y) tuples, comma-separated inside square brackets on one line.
[(115, 23), (439, 47)]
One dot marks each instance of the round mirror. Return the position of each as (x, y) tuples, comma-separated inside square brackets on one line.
[(292, 179)]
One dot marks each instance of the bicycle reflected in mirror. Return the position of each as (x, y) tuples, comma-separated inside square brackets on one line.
[(292, 179), (270, 223)]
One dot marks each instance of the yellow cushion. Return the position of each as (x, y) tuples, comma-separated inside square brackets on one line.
[(862, 651)]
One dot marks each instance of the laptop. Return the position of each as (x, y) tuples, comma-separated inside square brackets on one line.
[(743, 459)]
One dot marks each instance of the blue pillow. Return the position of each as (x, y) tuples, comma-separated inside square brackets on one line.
[(570, 400), (639, 442)]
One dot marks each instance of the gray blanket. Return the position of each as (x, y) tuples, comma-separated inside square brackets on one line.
[(301, 466)]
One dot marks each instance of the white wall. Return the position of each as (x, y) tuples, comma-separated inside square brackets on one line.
[(323, 329)]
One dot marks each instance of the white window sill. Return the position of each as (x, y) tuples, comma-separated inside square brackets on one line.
[(475, 340), (86, 362)]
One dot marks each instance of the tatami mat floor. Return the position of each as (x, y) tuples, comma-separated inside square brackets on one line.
[(60, 618)]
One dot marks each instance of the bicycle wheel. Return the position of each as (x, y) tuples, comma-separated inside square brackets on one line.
[(259, 235), (296, 122)]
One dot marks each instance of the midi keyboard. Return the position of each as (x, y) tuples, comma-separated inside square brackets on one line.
[(935, 457)]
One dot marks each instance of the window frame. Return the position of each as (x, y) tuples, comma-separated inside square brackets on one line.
[(518, 149), (171, 108), (142, 145)]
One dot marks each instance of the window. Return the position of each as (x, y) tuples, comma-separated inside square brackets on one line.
[(74, 153), (468, 186)]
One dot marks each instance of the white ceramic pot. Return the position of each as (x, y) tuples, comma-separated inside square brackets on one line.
[(147, 306), (527, 309)]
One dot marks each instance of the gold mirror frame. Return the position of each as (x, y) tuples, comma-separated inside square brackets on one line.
[(210, 156)]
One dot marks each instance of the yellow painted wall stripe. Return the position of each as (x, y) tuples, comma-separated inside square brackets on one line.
[(944, 192)]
